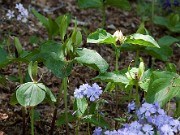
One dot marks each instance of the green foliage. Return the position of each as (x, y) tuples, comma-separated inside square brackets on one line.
[(92, 59), (62, 119), (172, 22), (163, 86), (3, 58), (140, 39), (101, 37), (165, 51), (122, 4), (31, 94), (80, 106)]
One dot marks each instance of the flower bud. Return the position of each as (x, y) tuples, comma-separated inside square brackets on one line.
[(119, 36)]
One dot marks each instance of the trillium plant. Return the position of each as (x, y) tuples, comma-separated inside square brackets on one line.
[(148, 92)]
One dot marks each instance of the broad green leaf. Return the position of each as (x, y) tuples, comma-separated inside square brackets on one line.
[(96, 121), (18, 45), (166, 22), (122, 4), (165, 51), (101, 37), (30, 94), (92, 59), (57, 66), (62, 119), (140, 39), (112, 77), (163, 87), (90, 3), (80, 106)]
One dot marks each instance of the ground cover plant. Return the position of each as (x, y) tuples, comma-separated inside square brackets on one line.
[(65, 81)]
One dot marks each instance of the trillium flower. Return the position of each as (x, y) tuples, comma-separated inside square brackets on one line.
[(119, 36)]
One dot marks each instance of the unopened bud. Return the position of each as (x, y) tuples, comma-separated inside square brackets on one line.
[(119, 36)]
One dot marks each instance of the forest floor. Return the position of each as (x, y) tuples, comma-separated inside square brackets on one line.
[(88, 21)]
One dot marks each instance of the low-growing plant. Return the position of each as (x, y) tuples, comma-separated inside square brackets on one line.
[(62, 50)]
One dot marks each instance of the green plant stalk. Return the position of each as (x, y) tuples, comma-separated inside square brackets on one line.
[(137, 58), (77, 127), (56, 109), (137, 94), (130, 95), (32, 121), (65, 103), (23, 108), (150, 63), (178, 108), (117, 54), (103, 10)]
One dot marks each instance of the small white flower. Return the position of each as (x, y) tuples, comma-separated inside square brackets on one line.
[(19, 17), (119, 36), (10, 14), (19, 7)]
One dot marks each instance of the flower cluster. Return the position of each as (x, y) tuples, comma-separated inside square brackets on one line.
[(23, 13), (151, 120), (167, 4), (92, 92)]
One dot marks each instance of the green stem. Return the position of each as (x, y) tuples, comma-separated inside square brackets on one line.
[(32, 121), (103, 15), (65, 103), (137, 94), (130, 95), (23, 108), (117, 53), (56, 109), (137, 58), (77, 127), (178, 108)]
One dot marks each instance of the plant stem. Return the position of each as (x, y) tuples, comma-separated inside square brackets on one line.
[(137, 94), (150, 63), (178, 108), (23, 108), (32, 121), (117, 53), (65, 103), (103, 15), (137, 58), (56, 109), (77, 127)]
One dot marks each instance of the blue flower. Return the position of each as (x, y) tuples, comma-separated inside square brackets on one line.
[(131, 106), (176, 3), (80, 93), (166, 4), (97, 131), (166, 130), (93, 92), (148, 129), (147, 109)]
